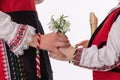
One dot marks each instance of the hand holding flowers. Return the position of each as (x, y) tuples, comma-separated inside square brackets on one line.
[(61, 25)]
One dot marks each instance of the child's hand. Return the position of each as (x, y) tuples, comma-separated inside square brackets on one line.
[(84, 44), (68, 52)]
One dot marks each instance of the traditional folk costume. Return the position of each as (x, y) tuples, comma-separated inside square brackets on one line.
[(103, 52), (18, 22)]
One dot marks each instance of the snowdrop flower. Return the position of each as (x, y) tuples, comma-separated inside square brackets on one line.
[(59, 25)]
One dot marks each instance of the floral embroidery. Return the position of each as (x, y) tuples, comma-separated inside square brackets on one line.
[(18, 37)]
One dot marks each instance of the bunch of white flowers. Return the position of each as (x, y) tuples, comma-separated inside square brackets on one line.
[(59, 25)]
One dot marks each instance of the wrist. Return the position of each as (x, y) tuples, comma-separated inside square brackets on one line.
[(77, 57), (68, 52), (42, 42), (73, 55)]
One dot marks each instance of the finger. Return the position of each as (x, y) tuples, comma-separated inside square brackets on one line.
[(78, 44), (63, 38), (57, 52), (61, 34), (62, 44), (82, 43), (54, 56)]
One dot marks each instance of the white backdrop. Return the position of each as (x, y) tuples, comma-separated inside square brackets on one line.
[(78, 12)]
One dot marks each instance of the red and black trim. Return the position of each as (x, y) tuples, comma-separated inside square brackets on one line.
[(97, 31)]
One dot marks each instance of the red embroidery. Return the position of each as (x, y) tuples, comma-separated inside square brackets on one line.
[(18, 37)]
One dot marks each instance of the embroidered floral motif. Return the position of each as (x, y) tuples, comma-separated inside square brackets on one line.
[(18, 37)]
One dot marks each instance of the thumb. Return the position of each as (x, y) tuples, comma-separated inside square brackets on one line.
[(54, 56), (59, 53)]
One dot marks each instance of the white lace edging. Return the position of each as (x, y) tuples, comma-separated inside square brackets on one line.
[(27, 38)]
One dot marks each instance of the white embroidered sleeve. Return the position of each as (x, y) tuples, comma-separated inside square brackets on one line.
[(107, 57), (15, 34)]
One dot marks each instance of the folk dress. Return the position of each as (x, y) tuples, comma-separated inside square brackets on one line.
[(18, 22)]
